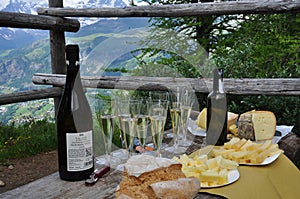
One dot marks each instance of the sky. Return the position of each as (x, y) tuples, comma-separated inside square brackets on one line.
[(3, 3), (67, 3)]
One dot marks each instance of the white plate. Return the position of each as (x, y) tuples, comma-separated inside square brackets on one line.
[(195, 129), (267, 161), (233, 175)]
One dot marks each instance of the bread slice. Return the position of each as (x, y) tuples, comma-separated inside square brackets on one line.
[(142, 171)]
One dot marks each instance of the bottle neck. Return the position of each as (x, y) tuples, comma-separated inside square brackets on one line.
[(72, 77), (221, 87), (218, 82), (72, 61), (73, 87)]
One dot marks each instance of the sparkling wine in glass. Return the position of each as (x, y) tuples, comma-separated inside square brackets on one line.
[(128, 128), (158, 115), (126, 110), (187, 102), (157, 128), (142, 123), (175, 112), (106, 118), (107, 123)]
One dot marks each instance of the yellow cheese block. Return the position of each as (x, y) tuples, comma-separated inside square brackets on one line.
[(201, 119), (261, 125)]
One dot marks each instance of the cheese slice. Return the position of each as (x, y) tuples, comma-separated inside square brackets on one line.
[(264, 125)]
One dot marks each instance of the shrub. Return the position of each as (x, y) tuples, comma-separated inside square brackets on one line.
[(29, 138)]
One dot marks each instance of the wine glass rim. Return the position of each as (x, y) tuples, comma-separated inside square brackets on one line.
[(158, 100)]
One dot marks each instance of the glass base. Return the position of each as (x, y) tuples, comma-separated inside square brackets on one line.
[(184, 143), (116, 159), (175, 150)]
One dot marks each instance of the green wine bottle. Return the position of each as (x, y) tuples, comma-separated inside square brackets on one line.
[(216, 123), (74, 124)]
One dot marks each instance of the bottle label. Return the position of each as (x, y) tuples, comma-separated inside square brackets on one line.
[(79, 151)]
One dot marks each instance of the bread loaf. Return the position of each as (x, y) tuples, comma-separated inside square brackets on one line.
[(179, 188), (257, 125), (146, 176)]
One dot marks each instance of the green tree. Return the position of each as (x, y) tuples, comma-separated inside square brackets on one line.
[(204, 30), (252, 46), (261, 46), (198, 27)]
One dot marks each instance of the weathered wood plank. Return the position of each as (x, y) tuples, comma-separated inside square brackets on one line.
[(52, 187), (22, 20), (246, 86), (57, 50), (220, 8), (30, 95)]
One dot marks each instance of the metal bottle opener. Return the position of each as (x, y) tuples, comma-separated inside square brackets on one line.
[(96, 175)]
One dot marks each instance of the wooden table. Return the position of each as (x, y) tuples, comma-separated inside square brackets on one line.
[(53, 187)]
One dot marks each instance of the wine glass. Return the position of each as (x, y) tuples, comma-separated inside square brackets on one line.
[(175, 112), (106, 118), (158, 95), (125, 111), (187, 102), (158, 115), (141, 115)]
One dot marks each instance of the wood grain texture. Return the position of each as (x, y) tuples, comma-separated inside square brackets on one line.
[(246, 86), (52, 186), (22, 20), (57, 50), (30, 95), (176, 10)]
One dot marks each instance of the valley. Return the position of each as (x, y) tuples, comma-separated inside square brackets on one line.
[(25, 52)]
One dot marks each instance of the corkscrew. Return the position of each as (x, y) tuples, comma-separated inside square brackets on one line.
[(98, 173)]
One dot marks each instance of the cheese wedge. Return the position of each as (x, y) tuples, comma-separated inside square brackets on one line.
[(201, 119), (257, 125)]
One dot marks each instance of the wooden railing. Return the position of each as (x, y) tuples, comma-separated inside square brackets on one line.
[(56, 22), (22, 20), (181, 10), (246, 86)]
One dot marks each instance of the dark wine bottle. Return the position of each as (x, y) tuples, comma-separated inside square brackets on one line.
[(74, 124), (216, 126)]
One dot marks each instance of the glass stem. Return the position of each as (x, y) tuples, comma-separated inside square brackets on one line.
[(108, 158), (184, 132)]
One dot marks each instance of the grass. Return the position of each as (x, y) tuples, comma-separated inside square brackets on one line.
[(27, 139), (37, 136)]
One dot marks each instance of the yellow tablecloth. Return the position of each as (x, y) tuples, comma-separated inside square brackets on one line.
[(280, 179)]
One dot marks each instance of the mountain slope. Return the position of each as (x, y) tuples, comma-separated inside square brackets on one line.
[(24, 52), (18, 65), (11, 38)]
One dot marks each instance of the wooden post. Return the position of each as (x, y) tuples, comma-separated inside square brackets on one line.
[(57, 49)]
